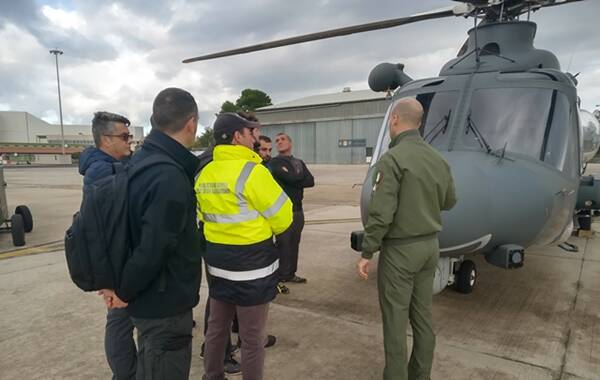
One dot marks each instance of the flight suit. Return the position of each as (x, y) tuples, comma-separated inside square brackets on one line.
[(411, 185)]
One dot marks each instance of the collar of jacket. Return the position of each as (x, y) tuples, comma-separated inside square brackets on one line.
[(180, 154), (406, 135), (235, 152)]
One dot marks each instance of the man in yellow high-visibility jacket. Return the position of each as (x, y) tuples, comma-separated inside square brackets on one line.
[(242, 207)]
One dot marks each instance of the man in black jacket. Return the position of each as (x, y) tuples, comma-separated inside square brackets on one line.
[(293, 176), (112, 139), (161, 279)]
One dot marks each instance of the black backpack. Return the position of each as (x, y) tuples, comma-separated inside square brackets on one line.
[(97, 244)]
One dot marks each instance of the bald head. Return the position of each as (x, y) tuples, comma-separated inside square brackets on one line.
[(408, 112)]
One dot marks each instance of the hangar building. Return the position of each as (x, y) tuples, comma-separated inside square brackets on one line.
[(340, 128), (25, 138)]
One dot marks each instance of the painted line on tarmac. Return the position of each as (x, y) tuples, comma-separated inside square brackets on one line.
[(332, 221), (53, 246), (58, 245)]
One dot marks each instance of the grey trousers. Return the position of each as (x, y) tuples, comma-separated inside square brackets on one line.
[(164, 347), (253, 322), (119, 345), (288, 244)]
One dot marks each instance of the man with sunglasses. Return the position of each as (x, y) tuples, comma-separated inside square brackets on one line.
[(111, 138)]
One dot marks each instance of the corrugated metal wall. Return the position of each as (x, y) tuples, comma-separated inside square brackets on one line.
[(316, 132)]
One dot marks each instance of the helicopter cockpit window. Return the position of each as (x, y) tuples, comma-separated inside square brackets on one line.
[(515, 118), (437, 110), (562, 143)]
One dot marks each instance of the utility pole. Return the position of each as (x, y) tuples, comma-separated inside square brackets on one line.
[(56, 53)]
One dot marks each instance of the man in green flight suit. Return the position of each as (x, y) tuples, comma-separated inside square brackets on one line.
[(412, 184)]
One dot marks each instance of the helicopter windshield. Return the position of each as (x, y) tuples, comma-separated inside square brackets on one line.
[(530, 121), (437, 109)]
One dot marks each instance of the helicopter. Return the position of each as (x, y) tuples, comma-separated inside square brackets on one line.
[(508, 122)]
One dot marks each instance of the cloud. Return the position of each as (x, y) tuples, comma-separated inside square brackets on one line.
[(119, 54)]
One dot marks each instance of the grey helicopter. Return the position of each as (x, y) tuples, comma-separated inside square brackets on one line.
[(509, 123)]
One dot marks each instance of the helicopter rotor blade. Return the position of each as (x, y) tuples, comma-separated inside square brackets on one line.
[(377, 25)]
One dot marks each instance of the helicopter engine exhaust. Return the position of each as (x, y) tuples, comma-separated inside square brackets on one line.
[(388, 77)]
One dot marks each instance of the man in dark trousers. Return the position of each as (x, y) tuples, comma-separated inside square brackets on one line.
[(293, 176), (161, 279), (412, 184), (111, 139)]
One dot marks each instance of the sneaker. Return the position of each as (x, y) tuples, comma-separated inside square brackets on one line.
[(232, 366), (271, 339), (282, 289), (297, 280)]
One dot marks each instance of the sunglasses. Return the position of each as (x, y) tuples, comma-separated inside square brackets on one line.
[(123, 136)]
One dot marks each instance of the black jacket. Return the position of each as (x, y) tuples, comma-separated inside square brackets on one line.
[(95, 164), (162, 276), (293, 176)]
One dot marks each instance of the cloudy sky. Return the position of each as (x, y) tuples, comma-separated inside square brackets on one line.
[(118, 55)]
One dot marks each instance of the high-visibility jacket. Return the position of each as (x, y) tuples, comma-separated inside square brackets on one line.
[(241, 206)]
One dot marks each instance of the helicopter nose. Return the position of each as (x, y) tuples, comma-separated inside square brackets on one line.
[(500, 201)]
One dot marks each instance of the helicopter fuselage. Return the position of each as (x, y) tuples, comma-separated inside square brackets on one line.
[(512, 140)]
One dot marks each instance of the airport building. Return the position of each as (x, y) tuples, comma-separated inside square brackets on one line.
[(25, 138), (340, 128)]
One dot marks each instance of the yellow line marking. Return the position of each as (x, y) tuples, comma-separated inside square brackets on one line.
[(42, 248), (332, 221)]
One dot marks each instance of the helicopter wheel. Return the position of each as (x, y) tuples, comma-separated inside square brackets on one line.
[(466, 277)]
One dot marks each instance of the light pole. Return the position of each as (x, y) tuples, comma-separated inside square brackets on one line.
[(56, 53)]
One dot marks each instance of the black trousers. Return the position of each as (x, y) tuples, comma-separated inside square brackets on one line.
[(119, 345), (288, 244), (164, 347)]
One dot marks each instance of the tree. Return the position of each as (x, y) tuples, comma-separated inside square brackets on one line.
[(249, 101), (252, 99), (228, 107), (205, 140)]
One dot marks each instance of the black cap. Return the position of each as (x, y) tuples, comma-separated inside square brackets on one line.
[(227, 123)]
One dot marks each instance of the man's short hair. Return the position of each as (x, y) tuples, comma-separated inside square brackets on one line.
[(172, 108), (103, 123), (284, 134), (264, 138)]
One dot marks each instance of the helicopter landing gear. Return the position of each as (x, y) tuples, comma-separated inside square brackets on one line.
[(456, 272), (466, 277)]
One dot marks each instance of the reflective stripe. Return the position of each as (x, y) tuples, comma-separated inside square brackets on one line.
[(247, 275), (244, 215), (241, 183), (276, 206), (231, 218)]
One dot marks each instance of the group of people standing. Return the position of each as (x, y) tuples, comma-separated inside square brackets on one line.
[(239, 210)]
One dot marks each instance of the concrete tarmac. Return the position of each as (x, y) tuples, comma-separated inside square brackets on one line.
[(538, 322)]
